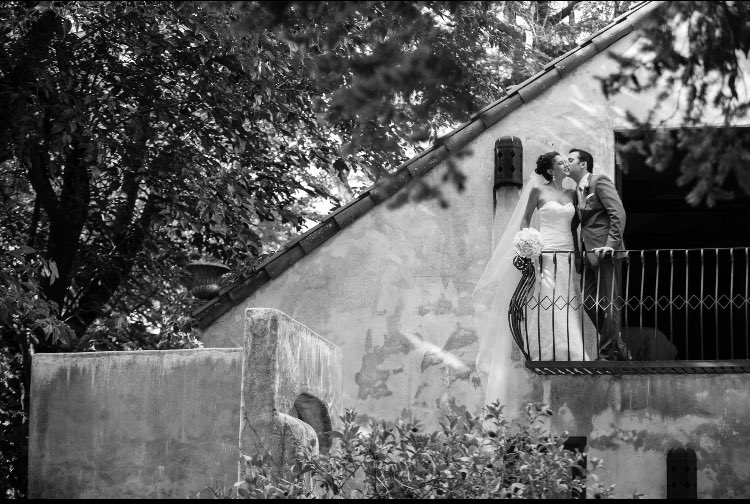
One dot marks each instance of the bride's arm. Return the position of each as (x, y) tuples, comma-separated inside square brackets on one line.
[(530, 207)]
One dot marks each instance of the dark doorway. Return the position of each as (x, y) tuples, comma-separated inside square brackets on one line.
[(578, 444), (689, 281), (313, 412)]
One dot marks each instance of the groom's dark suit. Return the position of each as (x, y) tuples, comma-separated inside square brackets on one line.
[(602, 219)]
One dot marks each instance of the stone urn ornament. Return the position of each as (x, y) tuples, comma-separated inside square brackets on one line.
[(206, 276)]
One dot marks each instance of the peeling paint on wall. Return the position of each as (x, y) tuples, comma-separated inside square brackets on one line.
[(400, 284), (372, 379)]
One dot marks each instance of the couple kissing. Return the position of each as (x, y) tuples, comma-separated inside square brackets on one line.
[(589, 219)]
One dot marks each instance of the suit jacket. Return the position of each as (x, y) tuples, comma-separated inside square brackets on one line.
[(603, 216)]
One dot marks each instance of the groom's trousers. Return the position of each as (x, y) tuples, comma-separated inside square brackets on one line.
[(601, 286)]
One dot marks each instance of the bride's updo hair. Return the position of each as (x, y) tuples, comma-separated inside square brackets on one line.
[(545, 163)]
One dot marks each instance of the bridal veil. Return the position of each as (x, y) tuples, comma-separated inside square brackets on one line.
[(492, 296)]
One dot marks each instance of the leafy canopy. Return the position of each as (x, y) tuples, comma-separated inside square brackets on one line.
[(694, 51)]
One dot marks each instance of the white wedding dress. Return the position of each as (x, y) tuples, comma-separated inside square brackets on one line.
[(498, 355), (553, 313)]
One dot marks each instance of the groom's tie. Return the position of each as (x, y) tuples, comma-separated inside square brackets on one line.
[(581, 206), (581, 198)]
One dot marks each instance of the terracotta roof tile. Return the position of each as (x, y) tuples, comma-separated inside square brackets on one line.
[(500, 110), (390, 185), (462, 136), (540, 85), (354, 210), (609, 37), (280, 262), (318, 235), (576, 59), (428, 161)]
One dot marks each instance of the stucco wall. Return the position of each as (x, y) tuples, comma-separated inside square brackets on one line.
[(633, 421), (134, 424), (394, 291)]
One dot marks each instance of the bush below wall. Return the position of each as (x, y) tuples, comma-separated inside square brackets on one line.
[(468, 457)]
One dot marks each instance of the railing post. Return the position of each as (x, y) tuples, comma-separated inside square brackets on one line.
[(656, 304), (731, 303), (567, 310), (747, 313), (553, 306), (687, 304), (539, 310), (518, 301), (643, 275), (671, 294), (663, 342), (701, 303), (716, 304)]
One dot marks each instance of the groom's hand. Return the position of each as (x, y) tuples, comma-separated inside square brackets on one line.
[(603, 250)]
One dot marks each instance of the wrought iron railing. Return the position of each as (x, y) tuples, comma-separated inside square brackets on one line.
[(672, 305)]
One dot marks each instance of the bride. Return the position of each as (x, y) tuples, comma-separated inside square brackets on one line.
[(553, 314)]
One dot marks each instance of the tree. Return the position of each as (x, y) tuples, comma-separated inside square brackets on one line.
[(693, 50), (135, 133), (133, 138)]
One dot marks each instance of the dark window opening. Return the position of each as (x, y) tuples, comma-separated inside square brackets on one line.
[(688, 290), (682, 474)]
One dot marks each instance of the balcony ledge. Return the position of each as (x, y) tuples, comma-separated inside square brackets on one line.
[(589, 368)]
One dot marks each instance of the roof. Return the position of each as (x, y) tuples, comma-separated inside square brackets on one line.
[(415, 167)]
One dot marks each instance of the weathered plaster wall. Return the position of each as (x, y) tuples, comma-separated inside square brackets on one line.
[(173, 423), (291, 387), (633, 421), (134, 424), (394, 291)]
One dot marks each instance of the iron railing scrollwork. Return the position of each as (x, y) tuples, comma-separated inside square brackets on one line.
[(670, 304), (518, 301)]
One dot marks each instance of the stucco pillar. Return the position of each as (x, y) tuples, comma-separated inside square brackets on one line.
[(282, 361)]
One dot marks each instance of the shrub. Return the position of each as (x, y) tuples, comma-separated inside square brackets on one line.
[(468, 457)]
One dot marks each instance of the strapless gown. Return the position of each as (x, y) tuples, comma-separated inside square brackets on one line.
[(553, 313)]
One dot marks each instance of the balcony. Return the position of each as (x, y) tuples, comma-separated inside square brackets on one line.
[(681, 311)]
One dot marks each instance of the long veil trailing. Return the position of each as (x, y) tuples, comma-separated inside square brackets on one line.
[(493, 292)]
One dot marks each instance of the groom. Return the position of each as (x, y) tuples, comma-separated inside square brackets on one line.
[(602, 218)]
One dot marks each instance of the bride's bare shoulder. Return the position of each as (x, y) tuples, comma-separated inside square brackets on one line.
[(535, 192)]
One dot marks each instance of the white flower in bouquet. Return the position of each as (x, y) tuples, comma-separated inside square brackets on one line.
[(528, 243)]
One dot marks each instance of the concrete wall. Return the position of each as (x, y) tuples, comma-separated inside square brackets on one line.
[(633, 421), (394, 291), (173, 423), (134, 424), (291, 387)]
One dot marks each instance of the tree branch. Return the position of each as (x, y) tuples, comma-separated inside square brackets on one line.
[(36, 167), (103, 286), (64, 237), (559, 16)]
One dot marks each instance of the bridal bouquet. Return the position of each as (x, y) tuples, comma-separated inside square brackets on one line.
[(528, 243)]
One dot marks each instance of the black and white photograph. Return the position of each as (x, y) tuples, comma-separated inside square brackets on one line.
[(374, 249)]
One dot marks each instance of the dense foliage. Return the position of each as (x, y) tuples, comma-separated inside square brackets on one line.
[(468, 457), (139, 132), (694, 51)]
